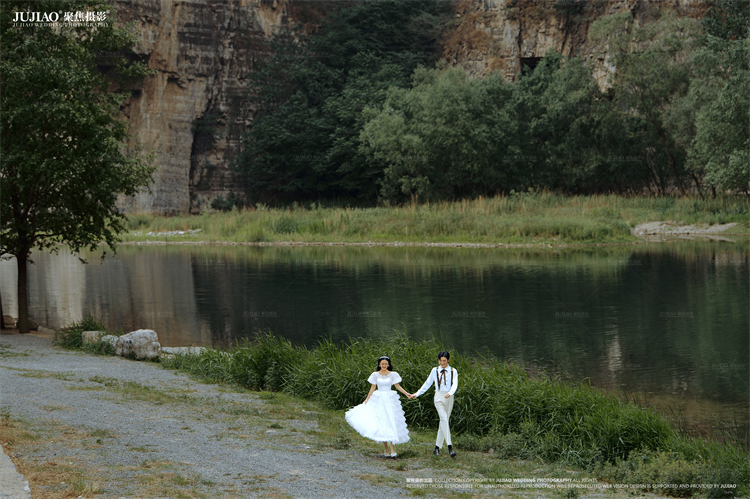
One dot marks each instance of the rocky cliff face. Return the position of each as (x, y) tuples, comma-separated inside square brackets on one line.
[(192, 113), (505, 35)]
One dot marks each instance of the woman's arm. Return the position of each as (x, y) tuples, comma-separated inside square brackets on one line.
[(372, 389), (398, 387)]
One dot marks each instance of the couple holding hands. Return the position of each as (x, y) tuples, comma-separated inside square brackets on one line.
[(381, 418)]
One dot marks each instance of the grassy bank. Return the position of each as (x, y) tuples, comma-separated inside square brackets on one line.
[(499, 409), (518, 219)]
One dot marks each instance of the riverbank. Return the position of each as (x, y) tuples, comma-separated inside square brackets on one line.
[(80, 425), (501, 413), (533, 219)]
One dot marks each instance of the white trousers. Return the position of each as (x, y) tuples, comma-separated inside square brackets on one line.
[(444, 407)]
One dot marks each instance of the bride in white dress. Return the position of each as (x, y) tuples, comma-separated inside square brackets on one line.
[(380, 417)]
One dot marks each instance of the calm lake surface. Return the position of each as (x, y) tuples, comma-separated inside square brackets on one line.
[(664, 324)]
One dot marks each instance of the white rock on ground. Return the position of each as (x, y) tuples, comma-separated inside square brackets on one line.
[(142, 344), (183, 350)]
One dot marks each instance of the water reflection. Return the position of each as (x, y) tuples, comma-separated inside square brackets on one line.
[(665, 321)]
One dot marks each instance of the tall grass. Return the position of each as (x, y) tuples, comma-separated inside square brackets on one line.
[(542, 217), (497, 406)]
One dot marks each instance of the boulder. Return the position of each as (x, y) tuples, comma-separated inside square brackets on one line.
[(111, 339), (141, 344), (33, 326), (91, 336), (9, 321)]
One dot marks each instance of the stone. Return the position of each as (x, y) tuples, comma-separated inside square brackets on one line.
[(9, 321), (141, 344), (182, 350), (112, 340), (33, 326), (91, 336)]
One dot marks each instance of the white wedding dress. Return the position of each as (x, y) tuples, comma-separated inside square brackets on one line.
[(381, 418)]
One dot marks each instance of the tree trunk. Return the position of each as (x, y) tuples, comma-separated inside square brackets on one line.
[(23, 295), (698, 186)]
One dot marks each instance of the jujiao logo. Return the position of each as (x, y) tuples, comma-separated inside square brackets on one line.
[(80, 18), (36, 17)]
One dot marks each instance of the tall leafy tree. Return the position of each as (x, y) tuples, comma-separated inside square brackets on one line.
[(62, 154), (448, 137)]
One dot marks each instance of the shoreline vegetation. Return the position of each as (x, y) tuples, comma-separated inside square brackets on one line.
[(532, 218), (501, 411)]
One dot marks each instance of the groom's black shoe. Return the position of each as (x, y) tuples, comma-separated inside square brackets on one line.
[(450, 449), (436, 451)]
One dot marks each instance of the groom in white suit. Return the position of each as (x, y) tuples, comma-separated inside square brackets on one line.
[(445, 379)]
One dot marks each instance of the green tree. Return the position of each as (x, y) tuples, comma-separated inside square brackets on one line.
[(652, 72), (721, 94), (62, 163), (447, 137)]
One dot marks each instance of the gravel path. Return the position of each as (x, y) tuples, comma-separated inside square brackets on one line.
[(39, 382)]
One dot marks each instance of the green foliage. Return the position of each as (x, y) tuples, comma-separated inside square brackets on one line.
[(720, 93), (727, 19), (652, 72), (261, 364), (62, 165), (266, 363), (444, 138)]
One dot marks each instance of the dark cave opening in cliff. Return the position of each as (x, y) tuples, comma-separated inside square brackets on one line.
[(528, 64)]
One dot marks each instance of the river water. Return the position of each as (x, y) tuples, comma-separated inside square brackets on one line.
[(663, 324)]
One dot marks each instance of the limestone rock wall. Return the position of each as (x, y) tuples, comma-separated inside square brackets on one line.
[(503, 35), (192, 111)]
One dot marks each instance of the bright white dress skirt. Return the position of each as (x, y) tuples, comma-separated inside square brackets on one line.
[(380, 419)]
